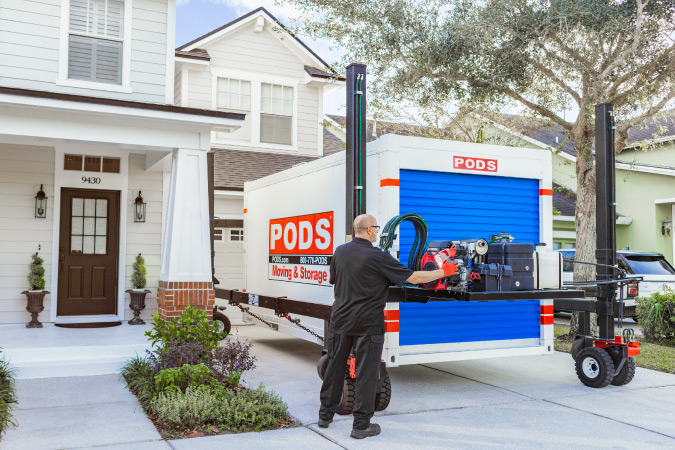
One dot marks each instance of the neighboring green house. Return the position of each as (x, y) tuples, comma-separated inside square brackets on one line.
[(645, 182), (645, 177)]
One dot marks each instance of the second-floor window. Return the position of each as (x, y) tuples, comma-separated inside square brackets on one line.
[(95, 40), (276, 114), (234, 94)]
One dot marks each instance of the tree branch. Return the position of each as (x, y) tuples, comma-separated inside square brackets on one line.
[(645, 71), (516, 96), (624, 127), (556, 80), (621, 59)]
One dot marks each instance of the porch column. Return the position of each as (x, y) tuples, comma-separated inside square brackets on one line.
[(186, 252)]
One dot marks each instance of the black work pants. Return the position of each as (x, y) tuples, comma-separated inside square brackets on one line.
[(368, 352)]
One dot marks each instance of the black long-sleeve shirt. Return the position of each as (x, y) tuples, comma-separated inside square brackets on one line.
[(361, 275)]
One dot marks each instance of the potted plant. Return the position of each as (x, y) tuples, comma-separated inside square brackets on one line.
[(138, 292), (36, 294)]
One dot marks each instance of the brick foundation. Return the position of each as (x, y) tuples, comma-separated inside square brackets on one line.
[(174, 296)]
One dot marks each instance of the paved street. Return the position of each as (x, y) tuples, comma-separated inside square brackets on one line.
[(520, 403)]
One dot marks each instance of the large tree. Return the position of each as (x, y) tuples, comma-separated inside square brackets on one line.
[(541, 54)]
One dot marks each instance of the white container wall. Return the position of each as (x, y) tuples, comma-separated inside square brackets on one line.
[(462, 190)]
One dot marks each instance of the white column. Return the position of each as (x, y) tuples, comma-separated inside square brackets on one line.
[(186, 250)]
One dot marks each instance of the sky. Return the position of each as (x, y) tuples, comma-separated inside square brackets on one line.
[(194, 18)]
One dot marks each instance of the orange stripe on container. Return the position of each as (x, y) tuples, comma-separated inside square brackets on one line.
[(391, 314), (545, 191), (546, 309), (389, 182), (547, 320), (391, 327)]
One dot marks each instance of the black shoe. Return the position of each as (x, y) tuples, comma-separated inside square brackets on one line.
[(372, 430), (324, 423)]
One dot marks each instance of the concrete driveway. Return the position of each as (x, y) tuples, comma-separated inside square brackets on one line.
[(523, 402)]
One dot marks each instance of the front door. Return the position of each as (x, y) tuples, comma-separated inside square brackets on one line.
[(88, 252)]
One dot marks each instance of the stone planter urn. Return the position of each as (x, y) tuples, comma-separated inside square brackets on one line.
[(137, 304), (35, 306)]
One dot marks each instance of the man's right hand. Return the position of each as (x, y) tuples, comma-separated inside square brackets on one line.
[(450, 268)]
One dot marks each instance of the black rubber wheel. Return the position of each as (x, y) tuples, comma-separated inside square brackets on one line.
[(595, 367), (577, 345), (221, 322), (626, 374), (383, 397), (348, 397), (321, 365)]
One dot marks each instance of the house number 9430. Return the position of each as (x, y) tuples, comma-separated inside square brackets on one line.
[(91, 180)]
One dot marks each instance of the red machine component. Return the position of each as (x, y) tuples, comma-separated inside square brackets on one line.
[(436, 261), (633, 346)]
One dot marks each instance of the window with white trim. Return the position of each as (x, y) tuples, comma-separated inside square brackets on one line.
[(96, 40), (236, 235), (276, 114), (233, 94)]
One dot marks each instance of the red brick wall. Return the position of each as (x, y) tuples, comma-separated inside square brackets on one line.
[(174, 296)]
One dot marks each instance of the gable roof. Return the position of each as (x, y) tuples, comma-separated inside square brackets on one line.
[(215, 34), (197, 53)]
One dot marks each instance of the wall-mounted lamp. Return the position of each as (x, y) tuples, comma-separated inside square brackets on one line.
[(139, 207), (665, 228), (41, 204)]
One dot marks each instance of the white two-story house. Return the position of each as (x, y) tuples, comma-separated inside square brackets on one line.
[(88, 124), (254, 66)]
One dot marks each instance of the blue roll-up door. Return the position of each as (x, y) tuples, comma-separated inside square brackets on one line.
[(463, 206)]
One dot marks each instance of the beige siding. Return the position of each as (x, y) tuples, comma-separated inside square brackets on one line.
[(30, 44), (22, 170), (144, 237), (199, 90), (262, 54), (177, 84)]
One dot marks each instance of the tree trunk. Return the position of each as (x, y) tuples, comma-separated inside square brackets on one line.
[(585, 220)]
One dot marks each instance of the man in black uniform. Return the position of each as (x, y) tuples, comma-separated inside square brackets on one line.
[(361, 275)]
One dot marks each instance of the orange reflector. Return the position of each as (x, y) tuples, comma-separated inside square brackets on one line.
[(391, 327), (391, 314), (547, 320), (546, 309), (545, 191), (245, 210), (389, 182)]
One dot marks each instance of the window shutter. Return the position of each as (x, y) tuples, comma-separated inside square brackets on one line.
[(78, 16), (276, 118), (80, 51), (108, 61), (276, 129), (93, 59)]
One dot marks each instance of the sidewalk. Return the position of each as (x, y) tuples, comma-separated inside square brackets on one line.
[(525, 402)]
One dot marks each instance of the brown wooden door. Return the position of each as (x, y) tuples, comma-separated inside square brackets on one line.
[(88, 252)]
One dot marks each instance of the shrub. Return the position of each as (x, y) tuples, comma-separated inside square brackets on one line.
[(140, 377), (231, 360), (656, 315), (176, 354), (255, 409), (7, 396), (179, 379), (191, 326), (138, 275), (36, 276)]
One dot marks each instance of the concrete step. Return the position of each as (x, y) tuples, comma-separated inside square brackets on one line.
[(46, 362)]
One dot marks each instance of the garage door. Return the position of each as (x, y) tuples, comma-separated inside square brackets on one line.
[(463, 206)]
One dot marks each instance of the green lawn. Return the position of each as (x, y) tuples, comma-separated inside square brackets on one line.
[(657, 356)]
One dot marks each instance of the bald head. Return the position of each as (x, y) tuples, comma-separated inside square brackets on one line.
[(362, 226)]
